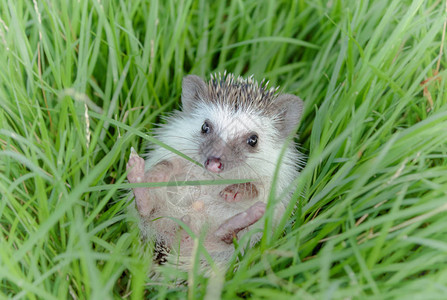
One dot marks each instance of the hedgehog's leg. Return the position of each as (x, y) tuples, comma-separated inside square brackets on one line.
[(144, 198), (238, 192), (228, 230)]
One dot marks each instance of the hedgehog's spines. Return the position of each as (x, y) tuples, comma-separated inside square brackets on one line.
[(241, 93)]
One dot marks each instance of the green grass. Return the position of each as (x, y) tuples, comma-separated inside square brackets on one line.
[(83, 81)]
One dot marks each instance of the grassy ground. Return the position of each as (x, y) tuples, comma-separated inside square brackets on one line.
[(83, 81)]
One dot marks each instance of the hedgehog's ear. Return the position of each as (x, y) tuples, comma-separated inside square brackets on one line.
[(290, 110), (194, 89)]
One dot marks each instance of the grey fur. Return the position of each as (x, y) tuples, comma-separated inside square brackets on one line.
[(289, 110), (194, 90)]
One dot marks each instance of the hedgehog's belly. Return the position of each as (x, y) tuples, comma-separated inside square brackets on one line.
[(193, 205), (200, 208)]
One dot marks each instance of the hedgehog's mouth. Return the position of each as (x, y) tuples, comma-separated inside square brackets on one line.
[(214, 164)]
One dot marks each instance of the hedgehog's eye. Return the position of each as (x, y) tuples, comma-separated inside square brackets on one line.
[(206, 127), (252, 140)]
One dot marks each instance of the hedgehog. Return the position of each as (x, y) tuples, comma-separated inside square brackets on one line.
[(231, 128)]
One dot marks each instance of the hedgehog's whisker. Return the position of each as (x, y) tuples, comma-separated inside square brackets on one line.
[(184, 151), (182, 137), (262, 159), (256, 173)]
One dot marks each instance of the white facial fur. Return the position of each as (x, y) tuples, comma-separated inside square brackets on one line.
[(229, 124), (182, 131)]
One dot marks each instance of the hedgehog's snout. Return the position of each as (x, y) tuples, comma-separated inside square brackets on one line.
[(214, 164)]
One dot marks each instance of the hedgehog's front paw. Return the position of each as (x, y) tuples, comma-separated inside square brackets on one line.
[(229, 229), (238, 192), (135, 167), (231, 196), (256, 211)]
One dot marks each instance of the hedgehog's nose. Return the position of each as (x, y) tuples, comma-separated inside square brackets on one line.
[(214, 164)]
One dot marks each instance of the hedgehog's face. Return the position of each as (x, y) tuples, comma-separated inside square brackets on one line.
[(240, 127), (239, 143), (226, 140), (221, 154)]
